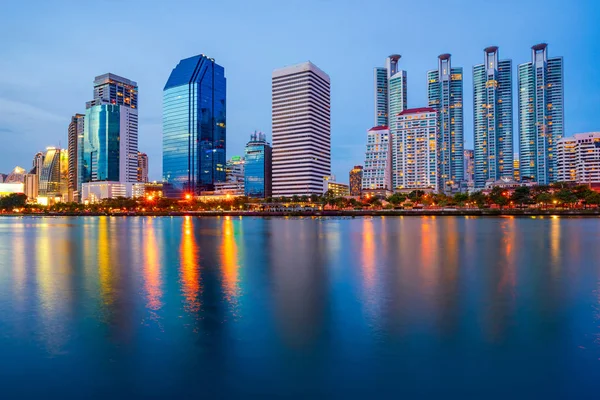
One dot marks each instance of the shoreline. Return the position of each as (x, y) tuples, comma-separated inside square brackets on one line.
[(330, 213)]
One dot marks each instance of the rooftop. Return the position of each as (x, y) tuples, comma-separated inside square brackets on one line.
[(379, 128), (302, 67), (417, 110)]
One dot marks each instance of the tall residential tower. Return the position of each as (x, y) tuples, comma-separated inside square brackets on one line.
[(194, 116), (445, 95), (75, 135), (493, 116), (541, 115), (301, 129)]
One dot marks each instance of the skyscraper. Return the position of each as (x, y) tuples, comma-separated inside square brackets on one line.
[(414, 150), (301, 129), (194, 130), (142, 171), (578, 158), (445, 93), (377, 174), (257, 171), (469, 167), (109, 145), (541, 114), (76, 130), (493, 116), (390, 90), (356, 175)]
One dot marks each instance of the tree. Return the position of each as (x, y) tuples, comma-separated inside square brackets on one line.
[(544, 198), (593, 198), (13, 200), (498, 196), (566, 196), (478, 198), (416, 195), (461, 198), (521, 195), (397, 198)]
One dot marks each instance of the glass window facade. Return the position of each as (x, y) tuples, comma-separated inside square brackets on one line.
[(99, 150), (257, 172), (194, 118)]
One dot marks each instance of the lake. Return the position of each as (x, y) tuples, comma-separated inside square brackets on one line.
[(384, 307)]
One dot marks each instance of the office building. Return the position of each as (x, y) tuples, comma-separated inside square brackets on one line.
[(142, 170), (493, 118), (301, 129), (109, 146), (377, 173), (578, 158), (390, 90), (75, 133), (38, 160), (541, 114), (445, 95), (336, 189), (356, 175), (31, 186), (257, 171), (415, 150), (194, 127), (53, 182)]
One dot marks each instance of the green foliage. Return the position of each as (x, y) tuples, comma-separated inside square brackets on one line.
[(12, 201)]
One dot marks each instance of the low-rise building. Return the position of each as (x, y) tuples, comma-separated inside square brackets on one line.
[(338, 189)]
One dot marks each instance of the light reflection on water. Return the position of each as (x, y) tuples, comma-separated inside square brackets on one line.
[(303, 307)]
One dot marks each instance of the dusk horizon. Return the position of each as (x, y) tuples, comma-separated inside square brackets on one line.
[(46, 78)]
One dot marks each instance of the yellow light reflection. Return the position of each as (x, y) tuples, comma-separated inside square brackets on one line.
[(229, 262), (152, 274), (190, 276), (105, 270), (368, 254)]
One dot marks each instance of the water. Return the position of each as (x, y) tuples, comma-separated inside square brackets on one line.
[(400, 307)]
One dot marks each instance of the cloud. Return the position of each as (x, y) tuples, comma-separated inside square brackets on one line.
[(12, 109)]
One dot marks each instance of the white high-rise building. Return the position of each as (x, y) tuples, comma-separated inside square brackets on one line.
[(414, 150), (377, 173), (578, 158), (301, 123)]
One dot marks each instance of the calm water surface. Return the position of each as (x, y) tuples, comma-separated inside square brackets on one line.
[(248, 307)]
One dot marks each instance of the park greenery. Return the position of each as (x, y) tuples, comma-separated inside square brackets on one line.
[(558, 195)]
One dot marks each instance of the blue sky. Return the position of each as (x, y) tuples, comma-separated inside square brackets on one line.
[(50, 52)]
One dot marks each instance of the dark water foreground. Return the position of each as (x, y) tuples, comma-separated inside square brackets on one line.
[(384, 307)]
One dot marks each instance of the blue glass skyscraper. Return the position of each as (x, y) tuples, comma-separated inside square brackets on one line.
[(194, 127), (257, 170)]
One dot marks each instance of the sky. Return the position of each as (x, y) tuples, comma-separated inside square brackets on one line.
[(50, 52)]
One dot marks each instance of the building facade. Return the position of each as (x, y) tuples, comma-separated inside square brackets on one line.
[(257, 172), (142, 170), (578, 158), (390, 90), (194, 127), (337, 189), (469, 166), (54, 175), (75, 132), (415, 150), (301, 123), (493, 118), (541, 114), (377, 173), (445, 95), (108, 148), (517, 167), (356, 177)]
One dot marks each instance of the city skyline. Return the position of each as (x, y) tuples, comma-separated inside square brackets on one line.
[(39, 122)]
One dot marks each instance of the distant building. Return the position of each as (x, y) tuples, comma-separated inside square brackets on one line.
[(301, 129), (578, 158), (75, 133), (414, 150), (445, 94), (194, 127), (17, 175), (337, 189), (53, 182), (142, 169), (469, 166), (377, 173), (31, 186), (109, 146), (257, 171), (516, 167), (2, 177), (93, 192), (541, 114), (493, 118), (356, 175)]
